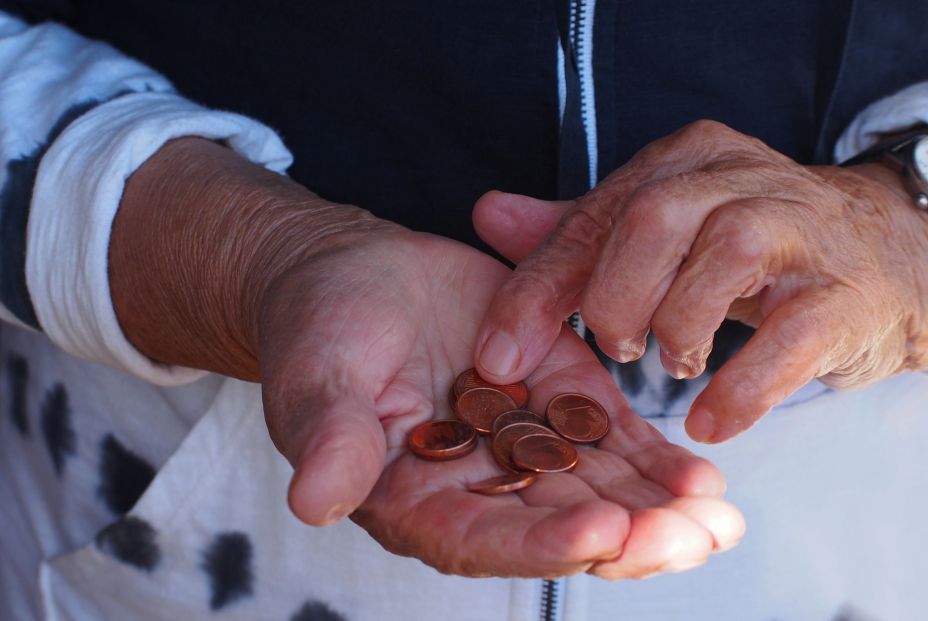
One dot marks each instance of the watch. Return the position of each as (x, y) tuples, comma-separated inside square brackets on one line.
[(906, 154)]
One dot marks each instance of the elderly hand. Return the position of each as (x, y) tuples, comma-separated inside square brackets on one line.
[(830, 265), (356, 329)]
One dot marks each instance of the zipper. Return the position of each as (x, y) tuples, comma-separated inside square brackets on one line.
[(580, 39), (550, 600), (580, 36)]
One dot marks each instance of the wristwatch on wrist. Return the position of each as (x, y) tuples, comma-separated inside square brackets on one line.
[(907, 154)]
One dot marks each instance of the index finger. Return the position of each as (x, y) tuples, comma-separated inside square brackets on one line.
[(525, 316)]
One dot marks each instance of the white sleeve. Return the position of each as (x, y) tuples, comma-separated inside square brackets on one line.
[(897, 112), (76, 119)]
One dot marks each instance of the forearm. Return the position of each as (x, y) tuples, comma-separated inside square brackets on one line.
[(200, 235)]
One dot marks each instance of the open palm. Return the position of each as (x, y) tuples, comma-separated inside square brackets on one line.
[(361, 344)]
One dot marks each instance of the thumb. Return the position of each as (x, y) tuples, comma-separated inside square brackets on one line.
[(341, 460), (514, 224)]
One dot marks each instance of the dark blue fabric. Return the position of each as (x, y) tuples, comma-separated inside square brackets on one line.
[(414, 109), (766, 68), (411, 109), (885, 51), (15, 200)]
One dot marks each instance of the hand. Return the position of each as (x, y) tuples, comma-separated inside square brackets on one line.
[(361, 345), (356, 339), (829, 264)]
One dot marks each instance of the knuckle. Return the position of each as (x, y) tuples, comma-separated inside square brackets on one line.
[(740, 233), (530, 291), (653, 210), (704, 128), (582, 227), (867, 366)]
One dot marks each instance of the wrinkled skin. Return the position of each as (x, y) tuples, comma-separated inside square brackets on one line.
[(706, 224), (356, 328), (361, 344)]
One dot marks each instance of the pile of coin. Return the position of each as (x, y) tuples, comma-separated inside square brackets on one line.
[(523, 443)]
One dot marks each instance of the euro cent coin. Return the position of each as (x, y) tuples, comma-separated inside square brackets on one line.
[(544, 453), (502, 484), (469, 379), (478, 407), (441, 440), (516, 416), (507, 437), (578, 418)]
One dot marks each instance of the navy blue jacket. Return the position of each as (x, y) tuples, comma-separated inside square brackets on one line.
[(413, 109)]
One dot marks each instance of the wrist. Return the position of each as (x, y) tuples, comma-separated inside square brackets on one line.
[(200, 235), (907, 229), (886, 178)]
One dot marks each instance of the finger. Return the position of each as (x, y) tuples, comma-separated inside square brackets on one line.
[(675, 468), (659, 540), (342, 459), (649, 476), (528, 310), (802, 339), (513, 224), (463, 533), (734, 256), (653, 234), (723, 521)]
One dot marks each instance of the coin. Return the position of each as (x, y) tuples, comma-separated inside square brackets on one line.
[(503, 441), (578, 418), (469, 379), (544, 453), (479, 406), (440, 440), (501, 484), (516, 416)]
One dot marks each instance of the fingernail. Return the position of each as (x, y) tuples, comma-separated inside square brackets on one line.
[(677, 369), (626, 351), (501, 354), (335, 514), (700, 425)]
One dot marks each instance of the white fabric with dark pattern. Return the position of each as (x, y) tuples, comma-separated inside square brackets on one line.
[(832, 492)]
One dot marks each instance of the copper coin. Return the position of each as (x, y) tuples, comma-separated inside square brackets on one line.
[(501, 484), (544, 453), (478, 407), (503, 441), (516, 416), (470, 379), (440, 440), (578, 418)]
